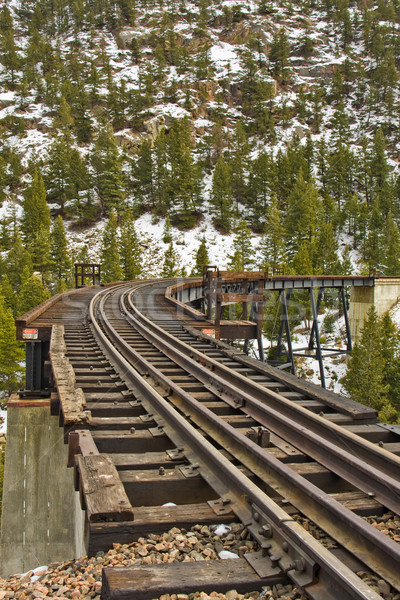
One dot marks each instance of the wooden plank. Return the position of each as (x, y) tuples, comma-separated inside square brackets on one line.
[(145, 460), (144, 582), (139, 441), (80, 441), (360, 503), (373, 433), (150, 487), (156, 520), (72, 399), (241, 297), (101, 488)]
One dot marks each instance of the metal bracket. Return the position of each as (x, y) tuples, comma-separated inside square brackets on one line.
[(190, 470), (175, 454), (157, 431), (221, 507), (283, 552), (147, 418), (393, 428), (260, 435), (134, 403), (262, 564)]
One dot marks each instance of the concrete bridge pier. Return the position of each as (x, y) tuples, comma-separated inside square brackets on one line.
[(384, 294), (42, 521)]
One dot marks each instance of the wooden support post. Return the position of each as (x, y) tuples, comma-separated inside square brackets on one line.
[(317, 339)]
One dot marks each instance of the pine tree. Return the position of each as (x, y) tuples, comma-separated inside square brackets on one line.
[(326, 259), (171, 262), (36, 223), (61, 262), (364, 379), (8, 55), (243, 255), (129, 249), (108, 171), (302, 263), (391, 253), (8, 294), (18, 261), (201, 259), (221, 195), (143, 172), (32, 293), (110, 259), (11, 351), (273, 241), (304, 212), (279, 54)]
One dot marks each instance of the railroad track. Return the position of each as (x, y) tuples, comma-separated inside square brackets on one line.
[(167, 415)]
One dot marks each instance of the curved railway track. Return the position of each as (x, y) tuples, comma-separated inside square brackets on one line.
[(167, 415)]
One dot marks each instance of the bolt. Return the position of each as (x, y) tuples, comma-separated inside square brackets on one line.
[(161, 471), (264, 548), (256, 517), (122, 501), (285, 546), (265, 531), (132, 430), (275, 559), (226, 500), (380, 444)]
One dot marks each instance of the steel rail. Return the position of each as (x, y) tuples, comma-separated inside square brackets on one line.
[(367, 466), (320, 507), (333, 576)]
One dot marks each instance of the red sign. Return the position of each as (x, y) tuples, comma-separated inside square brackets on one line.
[(210, 332), (30, 334)]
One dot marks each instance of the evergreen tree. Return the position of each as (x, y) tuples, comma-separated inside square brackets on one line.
[(273, 241), (391, 253), (36, 223), (304, 212), (110, 259), (302, 263), (108, 171), (221, 195), (8, 55), (201, 259), (32, 293), (364, 379), (18, 261), (143, 172), (11, 351), (171, 262), (326, 259), (8, 294), (390, 349), (61, 263), (129, 249), (242, 258), (279, 54)]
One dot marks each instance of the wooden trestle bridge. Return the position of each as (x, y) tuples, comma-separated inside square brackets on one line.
[(153, 410)]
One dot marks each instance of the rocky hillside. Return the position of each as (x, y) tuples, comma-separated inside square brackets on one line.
[(279, 117)]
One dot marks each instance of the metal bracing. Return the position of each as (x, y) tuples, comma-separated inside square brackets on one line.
[(226, 288), (285, 326)]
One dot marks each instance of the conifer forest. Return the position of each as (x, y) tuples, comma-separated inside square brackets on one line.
[(156, 136)]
